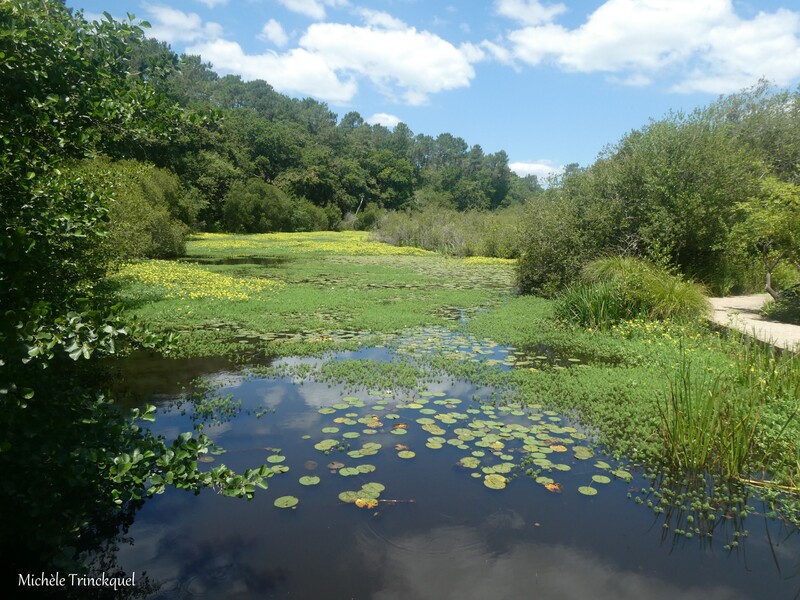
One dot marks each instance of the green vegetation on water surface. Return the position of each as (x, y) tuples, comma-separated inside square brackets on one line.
[(637, 385), (312, 289)]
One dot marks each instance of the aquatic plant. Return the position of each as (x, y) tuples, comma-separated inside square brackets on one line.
[(726, 423), (189, 281)]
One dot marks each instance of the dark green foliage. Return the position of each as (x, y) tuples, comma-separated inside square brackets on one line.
[(682, 191), (258, 207), (69, 93), (786, 308), (145, 209), (559, 237)]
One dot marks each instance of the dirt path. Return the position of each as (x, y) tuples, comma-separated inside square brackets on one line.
[(741, 312)]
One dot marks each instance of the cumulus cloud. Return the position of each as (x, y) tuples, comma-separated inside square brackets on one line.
[(401, 61), (529, 12), (213, 3), (405, 64), (314, 9), (384, 119), (274, 32), (541, 168), (297, 71), (172, 25), (706, 45)]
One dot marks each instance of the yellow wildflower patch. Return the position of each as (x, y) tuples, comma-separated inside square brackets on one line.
[(188, 281), (348, 243), (488, 260)]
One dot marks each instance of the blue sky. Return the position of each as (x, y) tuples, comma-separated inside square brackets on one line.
[(550, 83)]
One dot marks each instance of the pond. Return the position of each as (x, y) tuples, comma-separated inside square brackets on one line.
[(433, 490)]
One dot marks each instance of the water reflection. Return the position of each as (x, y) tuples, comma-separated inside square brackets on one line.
[(457, 562), (457, 539)]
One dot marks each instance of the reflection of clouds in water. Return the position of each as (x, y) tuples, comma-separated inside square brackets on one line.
[(272, 396), (225, 380), (214, 430), (317, 395), (220, 564), (456, 562)]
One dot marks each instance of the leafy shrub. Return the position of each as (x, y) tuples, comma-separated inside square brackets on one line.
[(554, 247), (255, 206), (141, 212), (622, 288), (786, 308)]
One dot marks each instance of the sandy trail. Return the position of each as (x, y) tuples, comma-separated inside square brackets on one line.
[(741, 312)]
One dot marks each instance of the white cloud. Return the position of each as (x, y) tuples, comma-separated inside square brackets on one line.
[(401, 62), (172, 25), (213, 3), (314, 9), (740, 52), (541, 168), (529, 12), (294, 72), (274, 32), (376, 18), (705, 44), (384, 119)]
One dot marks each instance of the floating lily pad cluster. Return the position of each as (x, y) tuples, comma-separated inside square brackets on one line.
[(464, 347), (494, 444)]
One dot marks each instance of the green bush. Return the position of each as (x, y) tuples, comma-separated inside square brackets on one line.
[(255, 206), (141, 211), (621, 288), (554, 247), (786, 308)]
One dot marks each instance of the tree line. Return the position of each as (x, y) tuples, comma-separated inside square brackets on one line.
[(713, 194)]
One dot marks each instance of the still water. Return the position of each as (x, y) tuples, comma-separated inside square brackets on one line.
[(437, 529)]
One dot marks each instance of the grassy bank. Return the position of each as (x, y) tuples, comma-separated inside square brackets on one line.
[(670, 396)]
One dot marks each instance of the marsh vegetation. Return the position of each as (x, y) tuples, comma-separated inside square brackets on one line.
[(510, 332)]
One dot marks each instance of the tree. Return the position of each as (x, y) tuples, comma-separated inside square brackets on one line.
[(770, 226), (68, 93)]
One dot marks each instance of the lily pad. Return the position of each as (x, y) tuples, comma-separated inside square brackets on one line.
[(495, 481), (601, 479), (587, 490), (406, 454), (623, 474), (348, 496), (276, 458), (309, 480), (469, 462), (286, 502), (326, 445)]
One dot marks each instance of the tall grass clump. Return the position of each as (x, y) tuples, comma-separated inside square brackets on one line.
[(736, 424), (621, 288), (455, 233)]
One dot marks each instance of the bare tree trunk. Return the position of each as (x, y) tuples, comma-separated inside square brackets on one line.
[(768, 266)]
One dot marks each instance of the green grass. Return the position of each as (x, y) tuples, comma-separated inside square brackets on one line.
[(618, 288)]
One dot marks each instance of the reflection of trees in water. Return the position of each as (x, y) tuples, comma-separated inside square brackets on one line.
[(57, 502)]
